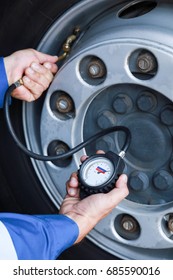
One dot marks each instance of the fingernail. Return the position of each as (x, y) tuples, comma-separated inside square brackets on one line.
[(47, 65), (72, 191), (73, 180), (35, 66), (56, 57), (124, 178), (26, 79), (30, 70)]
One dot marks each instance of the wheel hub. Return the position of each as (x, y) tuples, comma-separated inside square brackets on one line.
[(150, 155)]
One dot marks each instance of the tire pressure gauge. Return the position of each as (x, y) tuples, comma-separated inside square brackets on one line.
[(98, 173)]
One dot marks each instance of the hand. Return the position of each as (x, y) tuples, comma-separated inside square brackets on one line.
[(36, 70), (89, 211)]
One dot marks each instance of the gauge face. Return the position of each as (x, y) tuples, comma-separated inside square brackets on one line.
[(97, 171)]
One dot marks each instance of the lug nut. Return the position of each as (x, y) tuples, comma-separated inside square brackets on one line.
[(146, 102), (170, 223), (56, 148), (162, 180), (96, 69), (64, 104), (146, 62), (166, 116), (138, 181), (60, 149), (129, 224), (122, 104), (106, 143), (106, 119), (171, 165)]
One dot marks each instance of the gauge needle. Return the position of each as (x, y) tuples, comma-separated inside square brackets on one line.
[(101, 170)]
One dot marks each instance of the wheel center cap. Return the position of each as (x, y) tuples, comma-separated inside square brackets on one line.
[(151, 141)]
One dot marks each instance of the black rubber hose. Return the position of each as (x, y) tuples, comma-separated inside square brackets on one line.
[(72, 151)]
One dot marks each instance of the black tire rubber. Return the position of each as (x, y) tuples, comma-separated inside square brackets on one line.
[(23, 24)]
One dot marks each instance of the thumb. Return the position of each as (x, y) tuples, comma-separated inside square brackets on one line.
[(116, 195), (122, 181)]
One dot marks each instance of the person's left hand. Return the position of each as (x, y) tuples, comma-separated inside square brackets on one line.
[(89, 211), (36, 69)]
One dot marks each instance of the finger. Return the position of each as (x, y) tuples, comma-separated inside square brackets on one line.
[(42, 57), (73, 182), (46, 69), (51, 66), (72, 185), (38, 78), (39, 74), (100, 152), (35, 89), (41, 68), (83, 158), (22, 93)]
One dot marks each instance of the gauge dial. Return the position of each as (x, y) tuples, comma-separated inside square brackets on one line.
[(97, 171)]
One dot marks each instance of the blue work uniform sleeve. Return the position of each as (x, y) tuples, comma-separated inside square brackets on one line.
[(41, 237), (3, 81)]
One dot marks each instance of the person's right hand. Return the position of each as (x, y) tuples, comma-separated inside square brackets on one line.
[(36, 69), (89, 211)]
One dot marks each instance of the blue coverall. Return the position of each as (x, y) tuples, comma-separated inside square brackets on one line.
[(33, 237)]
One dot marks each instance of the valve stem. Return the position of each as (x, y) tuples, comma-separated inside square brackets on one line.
[(67, 45)]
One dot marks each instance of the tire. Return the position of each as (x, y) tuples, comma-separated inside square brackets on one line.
[(132, 89)]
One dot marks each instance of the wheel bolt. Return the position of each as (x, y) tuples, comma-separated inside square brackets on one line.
[(170, 223), (64, 104), (138, 181), (106, 119), (105, 143), (166, 116), (146, 102), (171, 165), (163, 180), (122, 104), (96, 69), (129, 224), (146, 62), (60, 149), (57, 148)]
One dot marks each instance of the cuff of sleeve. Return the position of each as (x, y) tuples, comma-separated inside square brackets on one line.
[(3, 81), (41, 237), (63, 233)]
